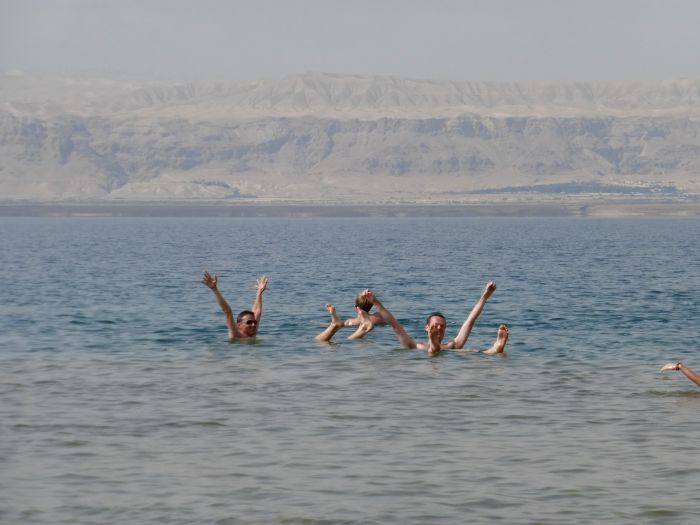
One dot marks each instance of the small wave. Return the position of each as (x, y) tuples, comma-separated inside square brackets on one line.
[(190, 423), (73, 443), (692, 394), (659, 513)]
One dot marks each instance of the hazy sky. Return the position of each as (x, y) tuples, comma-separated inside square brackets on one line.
[(448, 39)]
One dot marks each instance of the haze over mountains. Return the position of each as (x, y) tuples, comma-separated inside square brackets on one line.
[(343, 137)]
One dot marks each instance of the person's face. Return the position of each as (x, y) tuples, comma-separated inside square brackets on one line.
[(248, 326), (438, 322)]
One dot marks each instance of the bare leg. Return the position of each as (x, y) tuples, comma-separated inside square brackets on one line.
[(501, 339), (335, 325), (366, 324)]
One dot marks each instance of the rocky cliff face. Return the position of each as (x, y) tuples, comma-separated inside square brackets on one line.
[(332, 137)]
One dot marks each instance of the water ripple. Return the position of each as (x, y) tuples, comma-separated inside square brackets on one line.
[(122, 401)]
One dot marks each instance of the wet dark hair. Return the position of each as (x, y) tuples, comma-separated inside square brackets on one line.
[(435, 314), (243, 314), (362, 302)]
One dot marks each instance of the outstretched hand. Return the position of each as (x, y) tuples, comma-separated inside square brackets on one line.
[(369, 295), (210, 281), (489, 289), (671, 366), (433, 339), (261, 283)]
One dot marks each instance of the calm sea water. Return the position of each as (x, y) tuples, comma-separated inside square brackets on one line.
[(122, 402)]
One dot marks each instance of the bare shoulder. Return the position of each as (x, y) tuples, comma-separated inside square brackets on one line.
[(377, 319)]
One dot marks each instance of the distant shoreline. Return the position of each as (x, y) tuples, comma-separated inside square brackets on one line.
[(520, 208)]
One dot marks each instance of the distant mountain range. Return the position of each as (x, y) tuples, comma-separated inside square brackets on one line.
[(344, 138)]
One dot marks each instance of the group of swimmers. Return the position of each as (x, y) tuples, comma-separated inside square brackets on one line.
[(246, 324)]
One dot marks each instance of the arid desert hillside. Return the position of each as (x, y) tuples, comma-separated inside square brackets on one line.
[(343, 138)]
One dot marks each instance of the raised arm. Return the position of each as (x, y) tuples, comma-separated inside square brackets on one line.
[(211, 283), (468, 324), (399, 330), (261, 286), (687, 372)]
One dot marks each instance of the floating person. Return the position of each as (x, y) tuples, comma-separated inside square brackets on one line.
[(687, 372), (364, 324), (247, 323), (362, 303), (436, 323), (364, 320)]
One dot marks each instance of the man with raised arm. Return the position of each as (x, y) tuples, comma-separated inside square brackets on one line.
[(436, 323), (248, 321), (687, 372)]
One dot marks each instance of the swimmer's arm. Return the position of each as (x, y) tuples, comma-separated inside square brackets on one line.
[(687, 372), (399, 330), (211, 282), (468, 324), (378, 319), (261, 286)]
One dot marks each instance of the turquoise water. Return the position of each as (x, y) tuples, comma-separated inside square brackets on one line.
[(122, 401)]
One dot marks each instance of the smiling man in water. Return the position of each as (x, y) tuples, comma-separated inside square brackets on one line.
[(248, 321), (435, 327)]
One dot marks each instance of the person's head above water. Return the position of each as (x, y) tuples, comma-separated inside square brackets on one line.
[(435, 314), (362, 302), (438, 320), (247, 324)]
